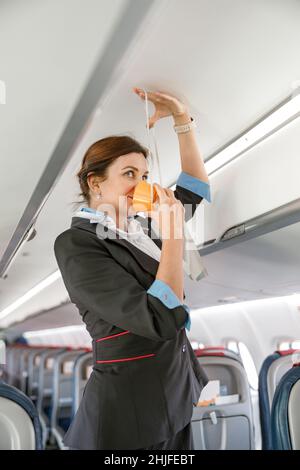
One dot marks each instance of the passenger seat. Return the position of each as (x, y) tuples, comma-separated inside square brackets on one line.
[(285, 413), (227, 423), (271, 372), (20, 428)]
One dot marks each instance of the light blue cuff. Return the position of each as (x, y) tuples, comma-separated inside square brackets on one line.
[(195, 185), (188, 321), (167, 296)]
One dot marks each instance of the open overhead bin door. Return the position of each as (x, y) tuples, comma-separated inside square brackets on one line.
[(256, 193)]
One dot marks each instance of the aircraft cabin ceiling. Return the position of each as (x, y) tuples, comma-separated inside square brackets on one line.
[(69, 68)]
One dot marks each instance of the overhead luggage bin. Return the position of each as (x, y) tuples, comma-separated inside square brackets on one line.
[(244, 202)]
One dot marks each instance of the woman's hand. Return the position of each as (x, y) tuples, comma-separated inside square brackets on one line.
[(165, 105), (168, 214)]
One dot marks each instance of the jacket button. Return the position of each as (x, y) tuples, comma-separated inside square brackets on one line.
[(184, 348)]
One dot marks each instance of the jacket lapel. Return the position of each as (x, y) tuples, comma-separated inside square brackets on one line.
[(146, 262)]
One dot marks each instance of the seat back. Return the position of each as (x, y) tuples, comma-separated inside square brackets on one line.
[(33, 373), (63, 380), (228, 425), (13, 364), (8, 366), (82, 370), (24, 358), (20, 427), (273, 369), (45, 381), (45, 388), (294, 415), (285, 412)]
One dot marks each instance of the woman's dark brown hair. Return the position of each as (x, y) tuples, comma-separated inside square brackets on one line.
[(100, 155)]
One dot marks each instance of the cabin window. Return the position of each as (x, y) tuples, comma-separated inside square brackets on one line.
[(2, 352), (233, 346), (241, 349), (196, 345), (88, 371), (296, 344), (67, 368), (249, 365), (37, 360), (284, 345), (289, 344), (49, 363)]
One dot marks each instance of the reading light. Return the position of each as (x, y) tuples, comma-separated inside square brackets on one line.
[(272, 122), (31, 293)]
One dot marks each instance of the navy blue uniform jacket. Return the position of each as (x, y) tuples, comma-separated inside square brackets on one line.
[(145, 376)]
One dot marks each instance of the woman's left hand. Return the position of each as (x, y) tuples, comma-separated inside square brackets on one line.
[(165, 105)]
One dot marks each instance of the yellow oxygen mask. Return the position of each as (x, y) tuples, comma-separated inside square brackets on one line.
[(144, 197)]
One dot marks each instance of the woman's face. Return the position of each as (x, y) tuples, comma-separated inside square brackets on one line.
[(123, 176)]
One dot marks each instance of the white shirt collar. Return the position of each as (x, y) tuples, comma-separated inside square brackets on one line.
[(135, 229)]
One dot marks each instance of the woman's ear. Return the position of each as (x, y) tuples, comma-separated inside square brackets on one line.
[(93, 182)]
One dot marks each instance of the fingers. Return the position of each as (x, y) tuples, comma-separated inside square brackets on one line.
[(139, 92), (155, 96), (170, 193), (164, 193), (160, 192), (152, 96)]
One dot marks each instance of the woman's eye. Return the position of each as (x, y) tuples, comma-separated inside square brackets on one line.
[(130, 171)]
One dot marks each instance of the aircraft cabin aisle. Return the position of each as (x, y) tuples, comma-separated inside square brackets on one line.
[(146, 343)]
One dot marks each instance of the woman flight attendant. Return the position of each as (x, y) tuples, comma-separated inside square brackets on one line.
[(128, 289)]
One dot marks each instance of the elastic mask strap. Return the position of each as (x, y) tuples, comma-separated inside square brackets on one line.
[(149, 144)]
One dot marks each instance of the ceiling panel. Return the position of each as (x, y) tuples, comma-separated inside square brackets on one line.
[(48, 50)]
